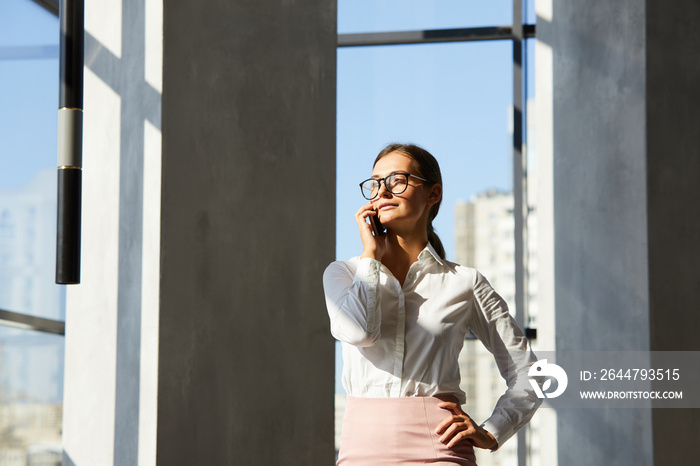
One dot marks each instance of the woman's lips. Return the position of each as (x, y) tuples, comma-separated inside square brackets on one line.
[(385, 206)]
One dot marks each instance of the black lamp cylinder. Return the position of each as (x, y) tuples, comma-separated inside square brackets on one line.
[(70, 142)]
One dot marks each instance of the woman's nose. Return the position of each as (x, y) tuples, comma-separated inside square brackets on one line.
[(383, 190)]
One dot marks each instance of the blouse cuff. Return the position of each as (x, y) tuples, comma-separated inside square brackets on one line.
[(367, 271), (500, 428)]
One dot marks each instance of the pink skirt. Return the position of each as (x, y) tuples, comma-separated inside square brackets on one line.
[(380, 431)]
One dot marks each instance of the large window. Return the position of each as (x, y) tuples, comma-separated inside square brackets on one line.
[(32, 307), (441, 75)]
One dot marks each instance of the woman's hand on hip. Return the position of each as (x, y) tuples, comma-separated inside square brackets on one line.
[(458, 427), (372, 246)]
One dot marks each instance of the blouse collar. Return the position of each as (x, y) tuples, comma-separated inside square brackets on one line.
[(428, 251)]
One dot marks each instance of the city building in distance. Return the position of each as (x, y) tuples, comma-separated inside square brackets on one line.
[(484, 237)]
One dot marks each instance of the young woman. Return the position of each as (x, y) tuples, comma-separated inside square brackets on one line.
[(402, 313)]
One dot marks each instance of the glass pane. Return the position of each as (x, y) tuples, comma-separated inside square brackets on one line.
[(31, 394), (530, 14), (24, 23), (532, 189), (400, 15), (31, 363), (455, 100), (29, 98)]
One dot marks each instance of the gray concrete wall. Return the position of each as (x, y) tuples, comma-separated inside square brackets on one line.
[(624, 145), (248, 215), (600, 247), (199, 333), (673, 160), (600, 175), (673, 199)]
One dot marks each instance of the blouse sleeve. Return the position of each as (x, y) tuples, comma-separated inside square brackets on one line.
[(352, 300), (497, 330)]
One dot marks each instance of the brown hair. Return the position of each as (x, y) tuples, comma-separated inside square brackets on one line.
[(429, 169)]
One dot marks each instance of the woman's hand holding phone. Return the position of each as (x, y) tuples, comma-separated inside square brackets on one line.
[(373, 246)]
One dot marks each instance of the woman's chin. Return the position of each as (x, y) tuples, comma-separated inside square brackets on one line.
[(388, 223)]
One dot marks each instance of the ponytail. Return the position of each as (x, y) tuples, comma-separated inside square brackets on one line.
[(434, 240)]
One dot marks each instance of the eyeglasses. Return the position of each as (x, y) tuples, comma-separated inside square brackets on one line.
[(396, 183)]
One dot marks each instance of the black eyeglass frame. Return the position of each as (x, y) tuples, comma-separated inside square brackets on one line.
[(379, 184)]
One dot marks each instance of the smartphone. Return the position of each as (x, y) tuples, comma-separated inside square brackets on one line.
[(377, 228)]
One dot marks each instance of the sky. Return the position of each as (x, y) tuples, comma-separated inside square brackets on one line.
[(28, 91)]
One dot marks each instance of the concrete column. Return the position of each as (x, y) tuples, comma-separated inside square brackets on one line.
[(248, 215), (673, 190), (599, 187), (199, 333), (624, 138), (544, 190)]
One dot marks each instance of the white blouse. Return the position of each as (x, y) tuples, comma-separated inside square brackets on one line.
[(405, 341)]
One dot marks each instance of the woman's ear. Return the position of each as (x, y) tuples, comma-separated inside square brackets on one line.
[(435, 194)]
